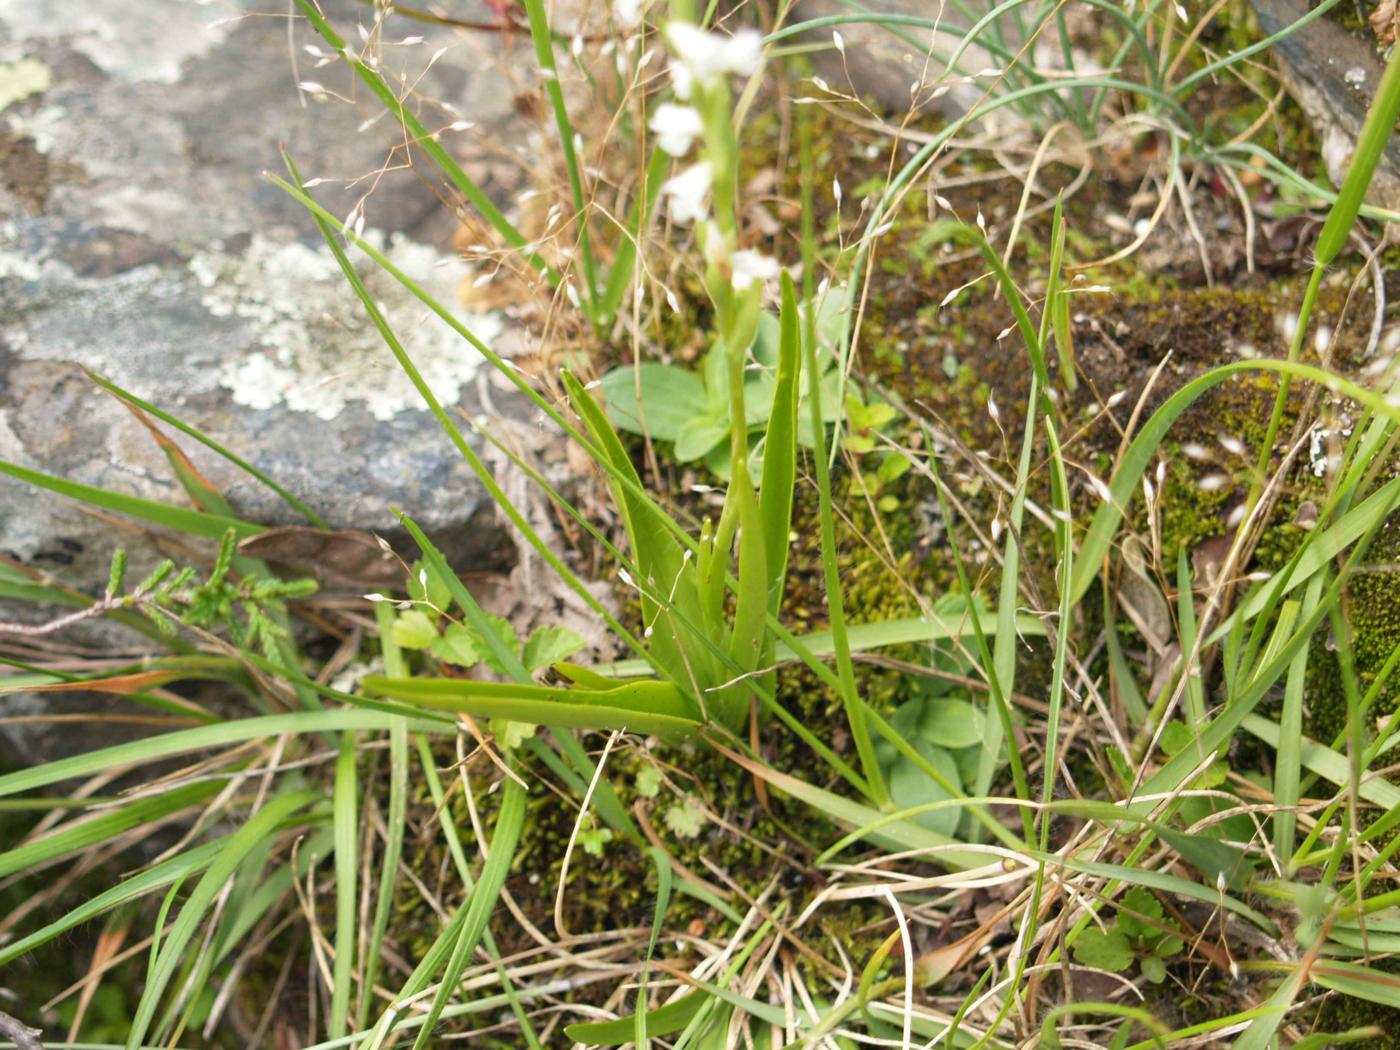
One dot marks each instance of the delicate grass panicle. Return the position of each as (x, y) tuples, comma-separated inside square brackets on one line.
[(1082, 806)]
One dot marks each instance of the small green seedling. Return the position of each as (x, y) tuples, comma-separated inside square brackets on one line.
[(424, 627), (1141, 933), (685, 819), (864, 421)]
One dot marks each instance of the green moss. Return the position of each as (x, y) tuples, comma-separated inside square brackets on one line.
[(1343, 1013)]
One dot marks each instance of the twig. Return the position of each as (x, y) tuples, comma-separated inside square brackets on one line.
[(19, 1033), (35, 630)]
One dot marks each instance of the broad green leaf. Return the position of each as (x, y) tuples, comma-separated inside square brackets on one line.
[(1139, 902), (699, 435), (548, 646), (910, 786), (1104, 949), (651, 398), (952, 723), (456, 646), (511, 735), (425, 586), (413, 630), (1210, 856), (487, 627), (657, 551), (759, 389), (595, 840)]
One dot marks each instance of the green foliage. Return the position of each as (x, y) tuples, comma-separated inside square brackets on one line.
[(685, 819), (693, 410), (249, 606), (425, 627), (947, 731), (1141, 932)]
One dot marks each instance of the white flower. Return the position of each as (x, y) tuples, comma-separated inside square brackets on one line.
[(703, 55), (676, 128), (750, 266), (628, 13), (681, 79), (688, 192)]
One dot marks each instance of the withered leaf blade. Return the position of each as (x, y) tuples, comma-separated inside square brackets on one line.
[(344, 557)]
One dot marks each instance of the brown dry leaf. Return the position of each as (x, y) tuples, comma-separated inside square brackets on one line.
[(1208, 559), (933, 966), (1141, 598), (345, 557), (1383, 19), (121, 685)]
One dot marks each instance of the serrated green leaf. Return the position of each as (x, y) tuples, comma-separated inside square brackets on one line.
[(505, 631), (594, 840), (455, 646), (648, 782), (549, 645), (1139, 902), (893, 467), (1104, 950), (511, 734), (685, 819), (413, 630)]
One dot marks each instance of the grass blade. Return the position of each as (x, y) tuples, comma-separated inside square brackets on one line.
[(265, 822), (345, 818), (209, 443)]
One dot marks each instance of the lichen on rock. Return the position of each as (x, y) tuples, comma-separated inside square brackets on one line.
[(319, 352)]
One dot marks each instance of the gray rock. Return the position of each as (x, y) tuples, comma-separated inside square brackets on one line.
[(139, 239), (1333, 75)]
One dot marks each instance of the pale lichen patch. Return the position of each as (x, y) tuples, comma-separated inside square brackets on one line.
[(317, 351), (19, 80)]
